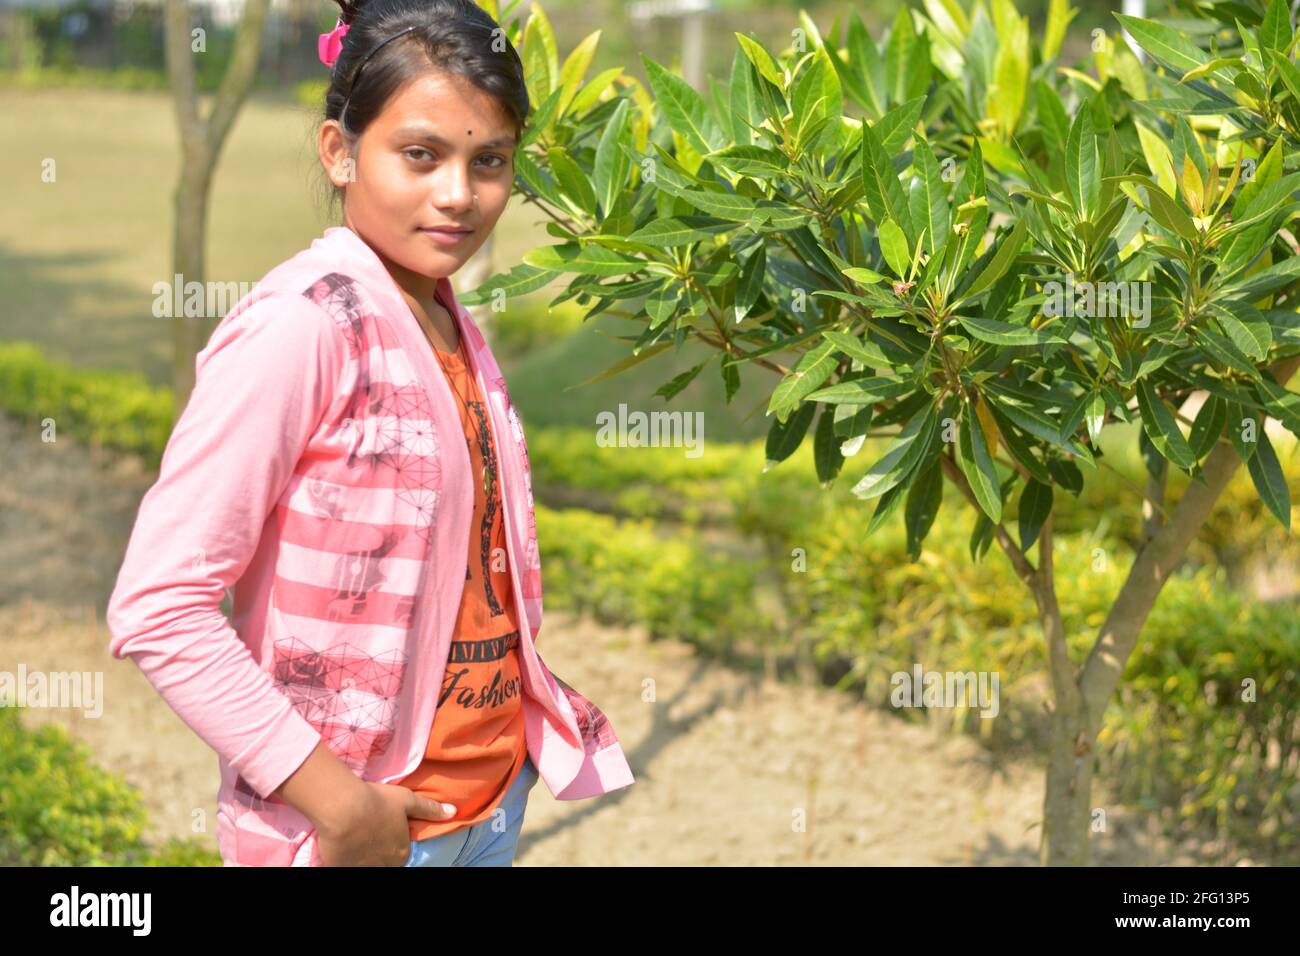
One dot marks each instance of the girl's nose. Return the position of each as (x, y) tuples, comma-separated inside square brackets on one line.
[(454, 191)]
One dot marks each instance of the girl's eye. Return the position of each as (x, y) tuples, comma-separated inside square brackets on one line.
[(421, 155)]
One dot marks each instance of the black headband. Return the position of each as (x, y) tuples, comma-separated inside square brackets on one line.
[(357, 72)]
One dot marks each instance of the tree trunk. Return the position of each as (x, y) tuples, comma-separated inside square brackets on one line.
[(202, 138), (1066, 814), (1081, 701)]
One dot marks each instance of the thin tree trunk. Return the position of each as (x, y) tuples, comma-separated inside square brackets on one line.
[(202, 138), (1081, 694)]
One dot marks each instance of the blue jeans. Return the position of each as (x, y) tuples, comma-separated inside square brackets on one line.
[(480, 845)]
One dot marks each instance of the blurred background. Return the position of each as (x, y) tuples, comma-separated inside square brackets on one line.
[(655, 565)]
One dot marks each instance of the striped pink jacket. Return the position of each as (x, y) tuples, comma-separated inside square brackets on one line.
[(319, 471)]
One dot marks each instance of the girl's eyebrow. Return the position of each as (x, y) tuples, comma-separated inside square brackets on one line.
[(420, 132)]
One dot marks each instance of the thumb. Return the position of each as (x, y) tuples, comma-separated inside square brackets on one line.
[(422, 808)]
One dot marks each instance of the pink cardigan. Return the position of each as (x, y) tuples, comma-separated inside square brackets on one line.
[(319, 470)]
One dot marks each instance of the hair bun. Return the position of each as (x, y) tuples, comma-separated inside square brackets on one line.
[(350, 10)]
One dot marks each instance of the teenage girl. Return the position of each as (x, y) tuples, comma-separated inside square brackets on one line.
[(370, 705)]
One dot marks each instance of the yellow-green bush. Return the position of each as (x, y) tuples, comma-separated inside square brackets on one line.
[(114, 409), (58, 809), (621, 571)]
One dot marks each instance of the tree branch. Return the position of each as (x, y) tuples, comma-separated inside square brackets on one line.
[(1153, 567)]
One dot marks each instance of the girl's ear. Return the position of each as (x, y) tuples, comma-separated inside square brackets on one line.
[(335, 155)]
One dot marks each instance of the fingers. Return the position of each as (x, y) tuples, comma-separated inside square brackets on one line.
[(422, 808)]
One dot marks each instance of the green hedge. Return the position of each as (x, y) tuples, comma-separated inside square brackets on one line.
[(623, 572), (57, 808), (113, 409)]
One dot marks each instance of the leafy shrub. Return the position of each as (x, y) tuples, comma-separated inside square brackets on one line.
[(58, 809)]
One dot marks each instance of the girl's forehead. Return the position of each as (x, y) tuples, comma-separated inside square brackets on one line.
[(448, 105)]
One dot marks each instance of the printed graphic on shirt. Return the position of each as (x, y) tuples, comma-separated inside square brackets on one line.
[(392, 423), (492, 692), (349, 696), (492, 506)]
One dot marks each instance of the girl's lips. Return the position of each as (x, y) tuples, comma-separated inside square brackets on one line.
[(447, 236)]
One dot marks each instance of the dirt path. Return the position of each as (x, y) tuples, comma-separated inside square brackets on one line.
[(731, 769)]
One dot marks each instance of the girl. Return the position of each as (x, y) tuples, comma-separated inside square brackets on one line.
[(351, 466)]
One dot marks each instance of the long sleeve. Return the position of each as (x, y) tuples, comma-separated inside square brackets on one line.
[(264, 382)]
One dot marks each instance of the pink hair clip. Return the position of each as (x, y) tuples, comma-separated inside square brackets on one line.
[(330, 44)]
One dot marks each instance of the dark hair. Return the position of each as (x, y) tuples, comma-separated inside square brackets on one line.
[(454, 36)]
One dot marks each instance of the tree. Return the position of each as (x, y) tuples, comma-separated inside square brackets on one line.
[(996, 258), (202, 137)]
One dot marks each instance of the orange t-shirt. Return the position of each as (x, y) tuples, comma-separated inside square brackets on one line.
[(476, 744)]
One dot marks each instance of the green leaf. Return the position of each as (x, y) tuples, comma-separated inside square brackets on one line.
[(1282, 403), (1267, 280), (520, 280), (623, 365), (670, 389), (827, 457), (1020, 450), (1165, 44), (898, 124), (923, 501), (864, 350), (610, 173), (1246, 326), (914, 442), (679, 231), (1213, 66), (575, 68), (1004, 333), (928, 198), (571, 179), (1238, 421), (750, 284), (866, 65), (1275, 32), (1208, 426), (1162, 428), (817, 365), (589, 260), (817, 99), (1038, 424), (893, 244), (862, 391), (1001, 261), (684, 109), (882, 190), (977, 465), (1270, 482), (1268, 170), (899, 54), (762, 60), (721, 204), (1081, 176), (1035, 506), (1169, 214), (783, 438)]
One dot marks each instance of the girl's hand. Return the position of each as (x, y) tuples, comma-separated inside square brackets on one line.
[(373, 829)]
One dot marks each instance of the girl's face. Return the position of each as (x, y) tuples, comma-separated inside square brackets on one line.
[(441, 154)]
